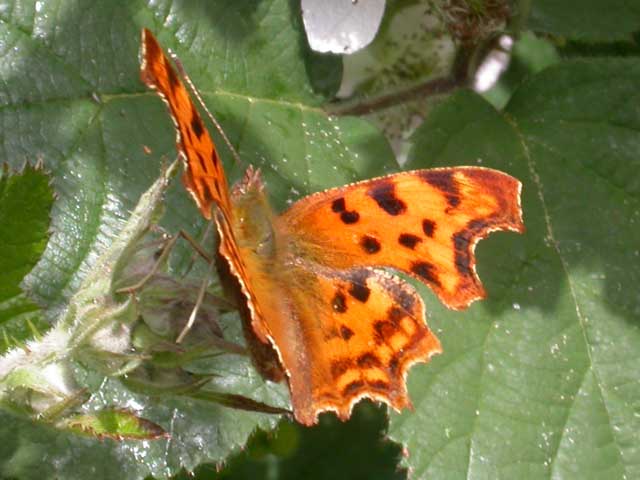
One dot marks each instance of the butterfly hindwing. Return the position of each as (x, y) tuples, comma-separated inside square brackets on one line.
[(342, 335)]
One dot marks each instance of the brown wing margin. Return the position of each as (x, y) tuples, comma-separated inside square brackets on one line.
[(204, 176)]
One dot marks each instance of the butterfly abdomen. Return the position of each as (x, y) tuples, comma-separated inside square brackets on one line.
[(264, 357)]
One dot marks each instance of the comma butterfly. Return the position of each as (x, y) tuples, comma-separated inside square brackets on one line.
[(319, 308)]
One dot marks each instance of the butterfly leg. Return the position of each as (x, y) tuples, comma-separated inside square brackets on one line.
[(203, 287), (197, 247), (199, 299), (165, 251), (160, 260)]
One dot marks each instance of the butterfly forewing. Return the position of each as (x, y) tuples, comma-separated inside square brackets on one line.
[(425, 223), (204, 176)]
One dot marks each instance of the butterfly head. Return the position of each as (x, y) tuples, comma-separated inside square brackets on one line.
[(250, 183)]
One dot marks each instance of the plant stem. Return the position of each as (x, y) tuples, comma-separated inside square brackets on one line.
[(437, 86)]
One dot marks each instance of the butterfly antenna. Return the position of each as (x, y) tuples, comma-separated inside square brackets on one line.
[(196, 94)]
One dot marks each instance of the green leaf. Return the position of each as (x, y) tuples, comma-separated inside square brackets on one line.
[(37, 378), (586, 20), (529, 55), (541, 379), (356, 450), (72, 98), (25, 204)]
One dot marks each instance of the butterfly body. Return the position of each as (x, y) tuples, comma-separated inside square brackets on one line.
[(253, 218), (320, 302)]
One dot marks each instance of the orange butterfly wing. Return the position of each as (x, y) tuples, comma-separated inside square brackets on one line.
[(425, 223), (344, 330), (341, 335), (204, 176)]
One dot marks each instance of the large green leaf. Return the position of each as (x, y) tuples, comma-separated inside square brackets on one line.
[(71, 97), (542, 379), (355, 450), (25, 204), (586, 20)]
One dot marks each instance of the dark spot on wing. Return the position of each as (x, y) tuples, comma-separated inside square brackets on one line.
[(409, 240), (360, 292), (196, 125), (379, 385), (383, 331), (385, 196), (370, 244), (368, 360), (428, 227), (349, 217), (346, 332), (395, 314), (338, 205), (339, 302), (393, 365), (427, 271), (461, 240), (200, 160), (352, 388), (477, 227), (339, 367), (206, 192), (462, 255), (462, 244), (173, 80), (444, 181)]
